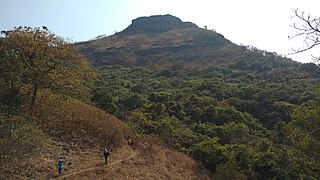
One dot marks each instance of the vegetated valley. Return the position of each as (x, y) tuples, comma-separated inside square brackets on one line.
[(196, 106)]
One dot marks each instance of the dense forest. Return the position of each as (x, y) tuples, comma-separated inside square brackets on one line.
[(254, 117), (249, 119)]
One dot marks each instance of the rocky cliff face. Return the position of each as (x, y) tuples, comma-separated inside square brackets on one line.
[(156, 24)]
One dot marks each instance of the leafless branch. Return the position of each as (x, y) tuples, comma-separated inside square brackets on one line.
[(309, 30)]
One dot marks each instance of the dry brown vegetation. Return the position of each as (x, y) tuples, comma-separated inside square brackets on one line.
[(194, 45), (78, 132), (76, 123)]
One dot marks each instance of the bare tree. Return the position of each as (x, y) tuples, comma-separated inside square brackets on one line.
[(307, 28)]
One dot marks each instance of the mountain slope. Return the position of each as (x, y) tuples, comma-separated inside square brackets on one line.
[(79, 132), (160, 41)]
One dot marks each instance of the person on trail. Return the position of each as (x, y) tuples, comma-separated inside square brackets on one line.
[(130, 142), (106, 154), (60, 166)]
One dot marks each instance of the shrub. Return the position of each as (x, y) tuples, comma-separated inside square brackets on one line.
[(72, 121)]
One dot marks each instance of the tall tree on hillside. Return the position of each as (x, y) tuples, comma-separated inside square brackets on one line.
[(35, 58)]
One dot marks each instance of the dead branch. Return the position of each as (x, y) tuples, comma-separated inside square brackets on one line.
[(309, 30)]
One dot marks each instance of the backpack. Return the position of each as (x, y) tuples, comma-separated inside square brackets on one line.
[(106, 153)]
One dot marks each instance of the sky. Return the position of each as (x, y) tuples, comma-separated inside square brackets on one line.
[(264, 24)]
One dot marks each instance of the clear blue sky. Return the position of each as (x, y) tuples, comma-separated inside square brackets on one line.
[(264, 24)]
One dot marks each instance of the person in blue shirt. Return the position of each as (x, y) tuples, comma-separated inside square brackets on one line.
[(60, 166)]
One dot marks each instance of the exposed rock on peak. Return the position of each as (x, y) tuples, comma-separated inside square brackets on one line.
[(156, 24)]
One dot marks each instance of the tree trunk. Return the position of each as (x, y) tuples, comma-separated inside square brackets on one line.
[(34, 94)]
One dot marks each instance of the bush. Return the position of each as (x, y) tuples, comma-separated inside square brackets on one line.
[(19, 139), (210, 153), (72, 121)]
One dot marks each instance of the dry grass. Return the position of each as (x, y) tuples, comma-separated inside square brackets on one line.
[(79, 124), (146, 159), (193, 45), (80, 131)]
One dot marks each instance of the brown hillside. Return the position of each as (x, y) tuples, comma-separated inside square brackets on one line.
[(160, 41), (79, 132)]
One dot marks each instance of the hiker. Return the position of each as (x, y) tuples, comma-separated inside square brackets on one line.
[(106, 154), (130, 142), (60, 166)]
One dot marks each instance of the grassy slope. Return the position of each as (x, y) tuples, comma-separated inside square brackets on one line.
[(79, 132), (177, 46)]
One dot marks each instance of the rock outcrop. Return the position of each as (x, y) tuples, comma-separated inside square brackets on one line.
[(156, 24)]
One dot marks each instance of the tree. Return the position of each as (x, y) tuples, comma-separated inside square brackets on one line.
[(210, 153), (131, 102), (309, 31), (304, 132), (35, 58), (104, 101)]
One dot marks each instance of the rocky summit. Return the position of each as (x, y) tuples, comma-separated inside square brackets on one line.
[(156, 24)]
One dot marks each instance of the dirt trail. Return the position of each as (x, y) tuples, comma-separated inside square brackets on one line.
[(96, 166)]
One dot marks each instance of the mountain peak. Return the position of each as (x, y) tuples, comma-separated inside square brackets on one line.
[(156, 24)]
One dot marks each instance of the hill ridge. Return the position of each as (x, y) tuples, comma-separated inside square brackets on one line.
[(160, 40), (156, 24)]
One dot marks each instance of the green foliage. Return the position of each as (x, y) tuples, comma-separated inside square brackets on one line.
[(245, 120), (139, 123), (229, 170), (230, 117), (131, 102), (304, 134), (315, 89), (104, 101), (210, 153)]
